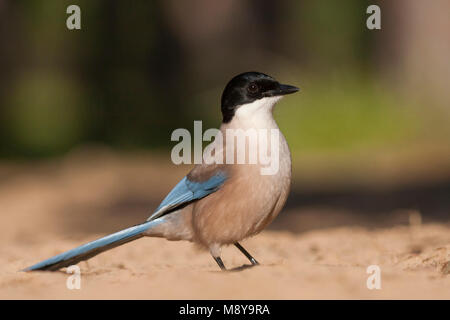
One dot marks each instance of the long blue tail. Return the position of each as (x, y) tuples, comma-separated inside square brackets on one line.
[(93, 248)]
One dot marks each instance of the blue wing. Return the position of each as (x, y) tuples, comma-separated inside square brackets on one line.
[(186, 191)]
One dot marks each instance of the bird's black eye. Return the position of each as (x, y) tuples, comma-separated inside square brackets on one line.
[(252, 88)]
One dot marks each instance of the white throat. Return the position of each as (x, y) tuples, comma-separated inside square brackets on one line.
[(257, 114)]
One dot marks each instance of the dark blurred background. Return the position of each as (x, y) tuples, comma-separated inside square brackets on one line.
[(369, 132)]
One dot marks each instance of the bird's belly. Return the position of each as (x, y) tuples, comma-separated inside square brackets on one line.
[(242, 207)]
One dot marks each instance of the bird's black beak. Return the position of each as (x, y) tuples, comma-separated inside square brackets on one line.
[(281, 90), (287, 89)]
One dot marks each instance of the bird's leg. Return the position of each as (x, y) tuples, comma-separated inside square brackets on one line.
[(245, 252), (215, 251), (220, 263)]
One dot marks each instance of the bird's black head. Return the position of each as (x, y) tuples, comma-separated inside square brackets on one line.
[(248, 87)]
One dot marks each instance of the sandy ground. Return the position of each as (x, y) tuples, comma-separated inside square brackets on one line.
[(52, 207)]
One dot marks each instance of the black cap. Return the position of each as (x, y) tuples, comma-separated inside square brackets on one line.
[(248, 87)]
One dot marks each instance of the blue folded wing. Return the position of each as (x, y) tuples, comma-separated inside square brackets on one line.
[(186, 191)]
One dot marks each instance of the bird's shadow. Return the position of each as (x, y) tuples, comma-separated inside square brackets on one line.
[(241, 268), (237, 269)]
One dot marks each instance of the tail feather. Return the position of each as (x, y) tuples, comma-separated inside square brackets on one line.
[(93, 248)]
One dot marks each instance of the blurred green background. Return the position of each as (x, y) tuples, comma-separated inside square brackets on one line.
[(139, 69)]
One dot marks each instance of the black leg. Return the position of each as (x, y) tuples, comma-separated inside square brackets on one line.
[(220, 263), (245, 252)]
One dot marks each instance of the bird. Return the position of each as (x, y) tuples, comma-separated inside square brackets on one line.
[(215, 204)]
